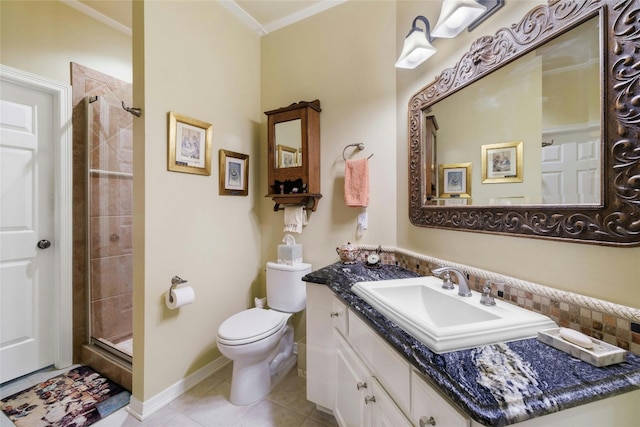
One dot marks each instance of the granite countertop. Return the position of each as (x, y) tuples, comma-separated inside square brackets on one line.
[(498, 384)]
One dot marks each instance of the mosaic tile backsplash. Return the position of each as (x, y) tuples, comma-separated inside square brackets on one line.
[(612, 323)]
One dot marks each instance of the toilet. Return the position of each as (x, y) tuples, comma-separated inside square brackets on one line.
[(260, 341)]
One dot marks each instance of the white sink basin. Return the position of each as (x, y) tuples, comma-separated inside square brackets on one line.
[(444, 321)]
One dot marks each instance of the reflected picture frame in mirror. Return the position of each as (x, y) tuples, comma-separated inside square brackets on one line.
[(502, 162), (455, 180), (616, 219)]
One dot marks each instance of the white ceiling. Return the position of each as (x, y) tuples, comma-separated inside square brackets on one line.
[(262, 16)]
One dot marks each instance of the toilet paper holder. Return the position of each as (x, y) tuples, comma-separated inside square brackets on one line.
[(175, 281)]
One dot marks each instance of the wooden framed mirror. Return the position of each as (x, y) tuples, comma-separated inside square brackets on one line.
[(611, 213)]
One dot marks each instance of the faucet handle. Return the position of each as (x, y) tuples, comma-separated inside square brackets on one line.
[(446, 281), (487, 298)]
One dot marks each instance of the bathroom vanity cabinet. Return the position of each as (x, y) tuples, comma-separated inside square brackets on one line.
[(293, 155), (364, 381), (367, 383)]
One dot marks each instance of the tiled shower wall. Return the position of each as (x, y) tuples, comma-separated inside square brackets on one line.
[(88, 82), (614, 324)]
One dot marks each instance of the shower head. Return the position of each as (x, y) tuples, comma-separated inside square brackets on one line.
[(133, 110)]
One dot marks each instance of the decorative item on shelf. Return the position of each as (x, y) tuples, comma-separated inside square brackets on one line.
[(189, 145), (348, 253), (234, 173), (373, 259), (289, 187)]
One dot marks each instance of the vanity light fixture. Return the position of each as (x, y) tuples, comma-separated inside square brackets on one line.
[(456, 15), (417, 46)]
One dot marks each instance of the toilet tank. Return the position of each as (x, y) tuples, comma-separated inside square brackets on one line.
[(285, 289)]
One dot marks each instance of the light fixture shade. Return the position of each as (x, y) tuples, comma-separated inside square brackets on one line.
[(416, 50), (455, 16)]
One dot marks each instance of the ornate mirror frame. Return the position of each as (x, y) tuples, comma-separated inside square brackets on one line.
[(616, 221)]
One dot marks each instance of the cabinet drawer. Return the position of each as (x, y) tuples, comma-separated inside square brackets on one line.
[(387, 366), (427, 404), (339, 316)]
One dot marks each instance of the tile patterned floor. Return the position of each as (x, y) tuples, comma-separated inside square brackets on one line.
[(207, 405)]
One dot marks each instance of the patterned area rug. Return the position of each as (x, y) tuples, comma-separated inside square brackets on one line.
[(77, 398)]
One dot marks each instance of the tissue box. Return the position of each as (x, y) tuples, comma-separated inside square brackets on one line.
[(290, 254)]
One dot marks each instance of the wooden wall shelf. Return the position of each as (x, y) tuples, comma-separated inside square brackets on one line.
[(293, 154)]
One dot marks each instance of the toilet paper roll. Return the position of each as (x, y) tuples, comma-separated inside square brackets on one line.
[(179, 297)]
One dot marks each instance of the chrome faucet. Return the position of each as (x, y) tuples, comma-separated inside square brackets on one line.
[(463, 285)]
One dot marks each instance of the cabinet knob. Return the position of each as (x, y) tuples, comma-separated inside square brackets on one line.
[(361, 385), (424, 421), (369, 399), (335, 314)]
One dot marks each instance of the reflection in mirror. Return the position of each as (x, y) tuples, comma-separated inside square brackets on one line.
[(599, 127), (550, 100), (289, 144)]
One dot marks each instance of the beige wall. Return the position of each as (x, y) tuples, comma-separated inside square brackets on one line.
[(198, 61), (346, 61), (43, 37), (602, 272)]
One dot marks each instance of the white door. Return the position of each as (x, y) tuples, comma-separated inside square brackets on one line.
[(571, 173), (29, 297)]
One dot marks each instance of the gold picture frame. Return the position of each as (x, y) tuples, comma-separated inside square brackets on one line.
[(287, 157), (234, 173), (189, 147), (502, 162), (454, 180)]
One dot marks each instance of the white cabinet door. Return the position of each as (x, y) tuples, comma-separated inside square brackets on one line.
[(384, 411), (384, 362), (353, 384), (320, 346), (428, 408)]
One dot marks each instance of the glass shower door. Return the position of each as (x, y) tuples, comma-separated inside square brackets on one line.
[(109, 236)]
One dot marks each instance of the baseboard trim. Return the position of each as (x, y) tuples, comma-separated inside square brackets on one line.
[(142, 410)]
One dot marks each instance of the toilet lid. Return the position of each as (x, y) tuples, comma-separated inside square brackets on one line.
[(252, 325)]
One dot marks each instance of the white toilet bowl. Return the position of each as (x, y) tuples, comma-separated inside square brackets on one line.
[(258, 341)]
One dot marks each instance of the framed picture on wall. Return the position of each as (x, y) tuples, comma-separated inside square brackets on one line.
[(455, 180), (502, 162), (234, 173), (189, 145)]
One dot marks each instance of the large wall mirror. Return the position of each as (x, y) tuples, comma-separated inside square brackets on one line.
[(536, 129)]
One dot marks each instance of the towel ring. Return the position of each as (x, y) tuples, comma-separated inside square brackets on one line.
[(360, 148)]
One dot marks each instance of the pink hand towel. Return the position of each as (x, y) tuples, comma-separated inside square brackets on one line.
[(356, 183)]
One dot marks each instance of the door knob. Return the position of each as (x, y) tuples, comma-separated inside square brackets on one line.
[(43, 244)]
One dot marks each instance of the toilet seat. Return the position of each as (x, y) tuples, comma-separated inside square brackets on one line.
[(251, 325)]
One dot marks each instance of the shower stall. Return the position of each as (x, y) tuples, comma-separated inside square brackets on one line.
[(109, 200)]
